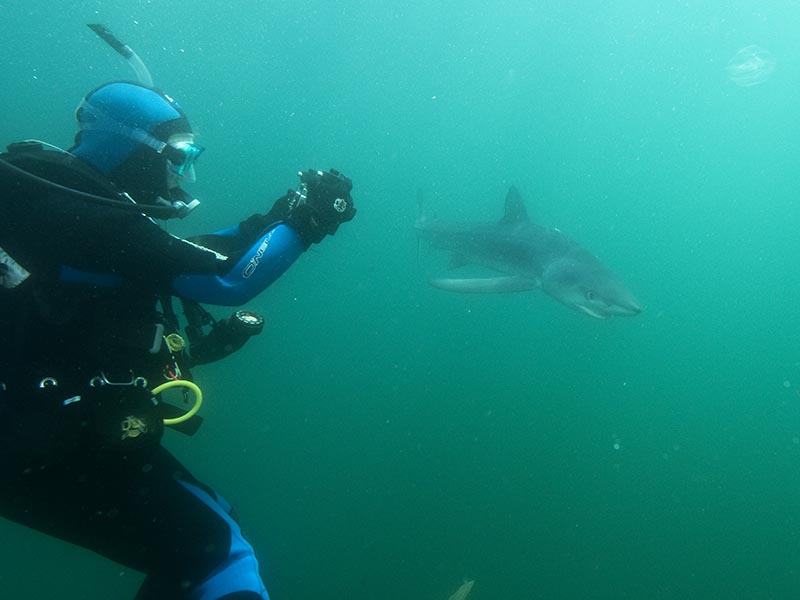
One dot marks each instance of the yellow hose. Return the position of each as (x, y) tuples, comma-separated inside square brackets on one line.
[(198, 399)]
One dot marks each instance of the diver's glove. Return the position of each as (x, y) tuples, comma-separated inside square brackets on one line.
[(321, 203), (316, 209)]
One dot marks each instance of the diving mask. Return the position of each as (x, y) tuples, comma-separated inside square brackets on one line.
[(181, 153)]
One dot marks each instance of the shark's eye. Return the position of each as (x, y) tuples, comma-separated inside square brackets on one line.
[(590, 295)]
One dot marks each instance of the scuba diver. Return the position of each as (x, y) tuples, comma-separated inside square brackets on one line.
[(88, 333)]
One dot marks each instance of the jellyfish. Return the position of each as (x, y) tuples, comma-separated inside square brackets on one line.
[(750, 66)]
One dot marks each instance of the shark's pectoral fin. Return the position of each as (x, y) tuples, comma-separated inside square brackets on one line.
[(486, 285)]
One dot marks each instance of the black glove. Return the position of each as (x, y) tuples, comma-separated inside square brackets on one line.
[(321, 203), (224, 337)]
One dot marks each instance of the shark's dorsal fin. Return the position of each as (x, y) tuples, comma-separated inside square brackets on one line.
[(515, 208)]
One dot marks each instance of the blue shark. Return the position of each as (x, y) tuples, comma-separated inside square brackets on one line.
[(526, 257)]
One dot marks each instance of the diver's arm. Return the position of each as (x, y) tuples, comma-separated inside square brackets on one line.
[(296, 220), (237, 240), (267, 259)]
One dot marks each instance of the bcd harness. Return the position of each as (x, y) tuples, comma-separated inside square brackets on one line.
[(27, 302)]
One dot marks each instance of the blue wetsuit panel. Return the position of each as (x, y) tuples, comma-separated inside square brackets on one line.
[(263, 263), (239, 571)]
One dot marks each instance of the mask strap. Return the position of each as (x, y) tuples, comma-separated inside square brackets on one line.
[(104, 122)]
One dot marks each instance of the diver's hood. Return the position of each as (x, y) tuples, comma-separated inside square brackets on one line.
[(123, 131)]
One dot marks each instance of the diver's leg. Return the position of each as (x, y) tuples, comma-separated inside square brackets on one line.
[(234, 570), (142, 509)]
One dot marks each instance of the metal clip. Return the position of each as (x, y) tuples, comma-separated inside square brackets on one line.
[(101, 380), (157, 339), (48, 382)]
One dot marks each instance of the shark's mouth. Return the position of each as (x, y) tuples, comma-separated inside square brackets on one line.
[(593, 313), (618, 310)]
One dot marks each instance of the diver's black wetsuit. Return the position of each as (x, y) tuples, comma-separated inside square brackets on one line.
[(87, 309)]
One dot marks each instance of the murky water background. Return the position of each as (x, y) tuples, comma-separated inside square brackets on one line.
[(387, 440)]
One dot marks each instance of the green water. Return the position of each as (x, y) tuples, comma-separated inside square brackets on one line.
[(385, 440)]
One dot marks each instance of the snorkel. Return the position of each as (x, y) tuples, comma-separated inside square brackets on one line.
[(142, 74)]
